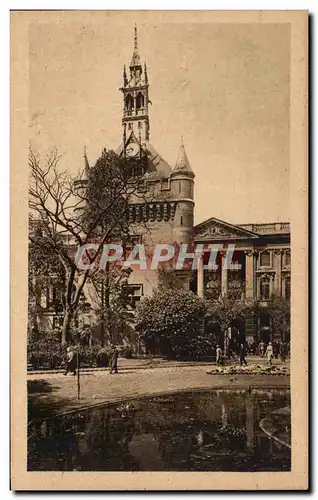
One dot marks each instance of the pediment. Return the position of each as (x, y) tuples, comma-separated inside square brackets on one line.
[(215, 229)]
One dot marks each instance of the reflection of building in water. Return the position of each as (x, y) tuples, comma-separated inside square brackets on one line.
[(250, 422), (154, 436), (224, 415)]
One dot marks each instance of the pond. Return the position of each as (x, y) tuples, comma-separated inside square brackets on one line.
[(187, 431)]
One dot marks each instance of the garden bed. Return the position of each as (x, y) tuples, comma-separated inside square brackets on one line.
[(249, 370)]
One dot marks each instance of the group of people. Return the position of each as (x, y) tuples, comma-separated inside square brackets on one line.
[(242, 354), (71, 360), (269, 351), (281, 349)]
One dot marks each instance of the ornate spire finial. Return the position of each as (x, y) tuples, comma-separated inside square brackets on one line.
[(136, 39), (182, 140), (135, 58)]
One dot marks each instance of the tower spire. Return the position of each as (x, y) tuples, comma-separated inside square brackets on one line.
[(136, 39), (182, 165), (135, 60), (135, 96), (86, 164)]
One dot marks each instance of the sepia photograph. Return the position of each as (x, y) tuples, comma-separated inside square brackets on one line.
[(163, 229)]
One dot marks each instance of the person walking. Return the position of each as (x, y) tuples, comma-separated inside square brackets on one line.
[(283, 352), (70, 361), (218, 355), (269, 353), (243, 355), (114, 360), (261, 348)]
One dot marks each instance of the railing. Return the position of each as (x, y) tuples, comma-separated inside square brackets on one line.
[(268, 228)]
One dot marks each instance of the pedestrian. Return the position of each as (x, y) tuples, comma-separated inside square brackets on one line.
[(218, 355), (70, 361), (269, 353), (114, 360), (283, 352), (261, 348), (243, 355)]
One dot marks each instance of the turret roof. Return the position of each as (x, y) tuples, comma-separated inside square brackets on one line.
[(182, 165)]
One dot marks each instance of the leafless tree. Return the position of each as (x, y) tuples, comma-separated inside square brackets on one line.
[(70, 212)]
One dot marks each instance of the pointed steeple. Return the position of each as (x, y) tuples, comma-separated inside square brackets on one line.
[(182, 165), (125, 76), (136, 97), (135, 60), (86, 164)]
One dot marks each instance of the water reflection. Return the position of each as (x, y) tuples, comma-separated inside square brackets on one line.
[(199, 431)]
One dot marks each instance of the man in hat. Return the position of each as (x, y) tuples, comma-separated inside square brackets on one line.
[(114, 360), (70, 361)]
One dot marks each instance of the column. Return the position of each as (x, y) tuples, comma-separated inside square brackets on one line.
[(278, 268), (249, 274), (255, 256), (200, 279), (223, 275)]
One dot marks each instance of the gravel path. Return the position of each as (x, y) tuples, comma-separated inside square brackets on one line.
[(55, 393)]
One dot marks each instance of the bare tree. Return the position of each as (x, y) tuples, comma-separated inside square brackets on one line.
[(74, 211)]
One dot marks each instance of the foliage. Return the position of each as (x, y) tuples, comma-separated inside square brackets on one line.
[(168, 279), (171, 317), (232, 437), (67, 213), (226, 309), (279, 311), (103, 357), (47, 350), (112, 299)]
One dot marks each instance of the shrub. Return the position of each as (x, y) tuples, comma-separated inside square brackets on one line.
[(126, 352), (103, 357), (47, 351), (171, 318)]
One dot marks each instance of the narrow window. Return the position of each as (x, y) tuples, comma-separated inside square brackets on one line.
[(181, 220), (265, 259), (264, 289)]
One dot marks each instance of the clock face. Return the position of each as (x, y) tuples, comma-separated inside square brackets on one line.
[(132, 149)]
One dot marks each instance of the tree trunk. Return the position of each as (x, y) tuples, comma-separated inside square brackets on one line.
[(78, 374), (68, 316)]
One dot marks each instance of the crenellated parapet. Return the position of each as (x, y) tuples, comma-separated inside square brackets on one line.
[(152, 212)]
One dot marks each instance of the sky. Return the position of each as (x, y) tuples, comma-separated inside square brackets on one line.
[(223, 87)]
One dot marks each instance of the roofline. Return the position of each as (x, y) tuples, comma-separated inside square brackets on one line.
[(251, 233)]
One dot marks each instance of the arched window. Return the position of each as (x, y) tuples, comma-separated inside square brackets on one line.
[(129, 102), (287, 287), (140, 101), (264, 288), (265, 259)]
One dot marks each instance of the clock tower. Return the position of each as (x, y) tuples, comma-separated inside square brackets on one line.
[(135, 119)]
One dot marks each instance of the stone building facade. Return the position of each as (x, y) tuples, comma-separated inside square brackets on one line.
[(262, 250)]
